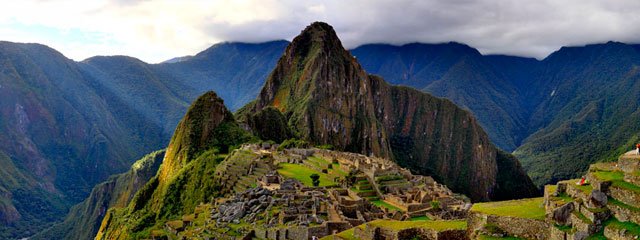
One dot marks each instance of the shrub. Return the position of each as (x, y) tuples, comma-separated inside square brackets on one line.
[(315, 179)]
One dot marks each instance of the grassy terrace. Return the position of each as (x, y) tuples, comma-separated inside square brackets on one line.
[(531, 208), (302, 172), (617, 179), (400, 225), (564, 198), (426, 224), (631, 228), (383, 204), (613, 201)]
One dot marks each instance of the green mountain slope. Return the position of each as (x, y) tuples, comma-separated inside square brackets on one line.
[(328, 98), (61, 134), (186, 177), (589, 112), (84, 219)]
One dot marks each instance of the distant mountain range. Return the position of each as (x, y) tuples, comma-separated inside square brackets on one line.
[(66, 126)]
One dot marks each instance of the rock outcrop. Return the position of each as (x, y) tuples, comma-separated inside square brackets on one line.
[(328, 98)]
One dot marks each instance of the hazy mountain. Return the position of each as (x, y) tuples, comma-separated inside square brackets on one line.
[(589, 99), (63, 131), (488, 86), (236, 71), (67, 125)]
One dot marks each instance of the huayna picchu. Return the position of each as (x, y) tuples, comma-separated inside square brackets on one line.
[(327, 98), (402, 160)]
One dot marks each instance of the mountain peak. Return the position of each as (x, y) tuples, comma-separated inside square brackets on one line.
[(317, 38)]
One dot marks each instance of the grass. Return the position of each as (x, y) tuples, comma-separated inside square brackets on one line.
[(383, 204), (631, 228), (486, 237), (426, 224), (421, 218), (608, 175), (586, 189), (302, 173), (531, 208), (582, 217), (346, 234), (597, 236), (615, 202), (617, 179)]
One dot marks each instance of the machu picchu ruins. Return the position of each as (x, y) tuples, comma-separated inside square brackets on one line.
[(362, 197)]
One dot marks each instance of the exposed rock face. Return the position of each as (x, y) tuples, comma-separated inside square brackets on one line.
[(562, 214), (269, 124), (328, 98), (597, 199)]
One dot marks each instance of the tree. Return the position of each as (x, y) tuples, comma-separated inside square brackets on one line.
[(315, 179)]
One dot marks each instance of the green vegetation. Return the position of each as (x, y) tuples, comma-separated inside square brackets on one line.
[(597, 236), (435, 204), (384, 204), (615, 202), (346, 235), (293, 143), (83, 220), (631, 227), (531, 208), (302, 173), (439, 225), (420, 218), (617, 179), (315, 179)]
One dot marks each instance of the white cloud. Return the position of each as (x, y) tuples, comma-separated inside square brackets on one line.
[(158, 30)]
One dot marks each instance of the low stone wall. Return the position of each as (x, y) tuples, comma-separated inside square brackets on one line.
[(413, 207), (298, 232), (521, 227), (617, 234), (632, 178), (629, 163), (625, 214), (626, 196), (381, 233)]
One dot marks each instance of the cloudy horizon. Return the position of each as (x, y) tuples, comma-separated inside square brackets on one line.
[(155, 31)]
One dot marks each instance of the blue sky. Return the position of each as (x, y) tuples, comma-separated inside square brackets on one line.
[(158, 30)]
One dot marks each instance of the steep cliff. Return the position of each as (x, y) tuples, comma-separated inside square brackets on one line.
[(84, 219), (328, 98), (185, 178)]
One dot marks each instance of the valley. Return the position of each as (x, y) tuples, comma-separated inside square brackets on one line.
[(450, 121)]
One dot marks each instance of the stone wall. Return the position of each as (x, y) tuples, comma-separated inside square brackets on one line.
[(521, 227), (625, 214), (626, 196)]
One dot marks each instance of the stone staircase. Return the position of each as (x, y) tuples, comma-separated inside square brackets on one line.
[(392, 181), (237, 176), (364, 188)]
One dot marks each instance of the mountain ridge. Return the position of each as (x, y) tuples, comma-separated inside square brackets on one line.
[(328, 98)]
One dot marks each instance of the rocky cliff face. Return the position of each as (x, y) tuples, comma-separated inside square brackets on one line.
[(84, 219), (328, 98)]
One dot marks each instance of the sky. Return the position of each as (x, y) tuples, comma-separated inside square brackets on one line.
[(155, 31)]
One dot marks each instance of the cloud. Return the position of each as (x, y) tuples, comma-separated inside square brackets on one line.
[(159, 30)]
